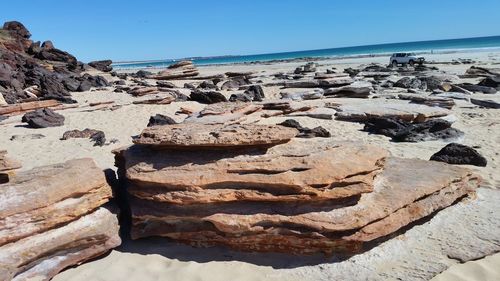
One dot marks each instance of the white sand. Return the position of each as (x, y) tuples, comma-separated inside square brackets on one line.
[(136, 261)]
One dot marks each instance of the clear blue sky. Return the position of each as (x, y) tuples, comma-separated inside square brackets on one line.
[(147, 29)]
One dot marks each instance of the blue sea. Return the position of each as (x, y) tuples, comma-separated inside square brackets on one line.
[(435, 46)]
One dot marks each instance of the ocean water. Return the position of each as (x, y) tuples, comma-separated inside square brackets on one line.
[(422, 46)]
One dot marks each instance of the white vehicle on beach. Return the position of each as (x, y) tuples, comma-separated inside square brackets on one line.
[(405, 58)]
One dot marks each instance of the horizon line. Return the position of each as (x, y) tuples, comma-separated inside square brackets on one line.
[(286, 52)]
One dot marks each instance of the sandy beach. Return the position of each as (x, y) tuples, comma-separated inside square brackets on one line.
[(163, 259)]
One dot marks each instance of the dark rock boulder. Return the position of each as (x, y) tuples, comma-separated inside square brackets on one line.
[(99, 81), (304, 132), (43, 118), (411, 83), (459, 154), (189, 86), (71, 84), (351, 71), (89, 81), (58, 55), (433, 83), (208, 85), (486, 103), (98, 137), (84, 86), (207, 97), (102, 65), (141, 74), (478, 88), (235, 83), (52, 88), (255, 92), (160, 119), (47, 45), (165, 84), (17, 28), (6, 75), (403, 131), (240, 97), (493, 82)]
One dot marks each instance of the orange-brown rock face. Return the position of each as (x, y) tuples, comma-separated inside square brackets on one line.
[(324, 226), (298, 197), (51, 218), (196, 136)]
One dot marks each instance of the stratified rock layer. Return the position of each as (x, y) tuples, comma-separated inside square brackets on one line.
[(51, 218), (182, 69), (193, 135), (296, 197), (404, 192)]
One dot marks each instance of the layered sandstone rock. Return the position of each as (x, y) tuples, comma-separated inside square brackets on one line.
[(298, 197), (182, 69), (51, 218), (295, 228)]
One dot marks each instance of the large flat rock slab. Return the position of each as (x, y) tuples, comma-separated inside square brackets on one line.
[(285, 173), (196, 136), (361, 111), (406, 191)]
